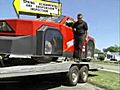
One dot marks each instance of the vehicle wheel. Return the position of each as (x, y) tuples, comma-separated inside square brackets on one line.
[(48, 47), (73, 76), (48, 50), (83, 74), (54, 59), (90, 50)]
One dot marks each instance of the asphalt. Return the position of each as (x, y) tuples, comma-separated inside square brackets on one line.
[(85, 86)]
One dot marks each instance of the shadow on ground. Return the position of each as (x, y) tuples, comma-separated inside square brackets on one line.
[(36, 82), (92, 75)]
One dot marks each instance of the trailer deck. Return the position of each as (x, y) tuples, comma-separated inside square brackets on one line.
[(24, 70)]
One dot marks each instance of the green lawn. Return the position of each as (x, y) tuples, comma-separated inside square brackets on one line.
[(103, 79)]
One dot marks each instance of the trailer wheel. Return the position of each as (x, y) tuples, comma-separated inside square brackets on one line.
[(83, 74), (73, 76)]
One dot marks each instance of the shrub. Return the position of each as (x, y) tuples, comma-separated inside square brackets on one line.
[(101, 57)]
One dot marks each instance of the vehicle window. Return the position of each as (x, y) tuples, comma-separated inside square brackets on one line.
[(69, 23), (53, 42), (56, 19)]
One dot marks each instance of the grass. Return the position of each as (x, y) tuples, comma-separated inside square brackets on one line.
[(103, 79)]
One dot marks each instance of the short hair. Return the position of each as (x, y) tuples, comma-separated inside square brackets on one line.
[(79, 14)]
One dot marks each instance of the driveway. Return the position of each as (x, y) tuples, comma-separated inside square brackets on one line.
[(80, 86)]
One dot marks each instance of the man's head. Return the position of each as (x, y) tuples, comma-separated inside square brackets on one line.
[(79, 17)]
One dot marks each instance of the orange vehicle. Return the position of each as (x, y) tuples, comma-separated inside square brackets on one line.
[(44, 39)]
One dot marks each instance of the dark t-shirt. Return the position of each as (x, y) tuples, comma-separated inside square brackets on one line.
[(80, 27)]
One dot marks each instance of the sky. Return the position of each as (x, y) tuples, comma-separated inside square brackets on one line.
[(102, 17)]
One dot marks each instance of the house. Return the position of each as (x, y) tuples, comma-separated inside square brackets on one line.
[(112, 56)]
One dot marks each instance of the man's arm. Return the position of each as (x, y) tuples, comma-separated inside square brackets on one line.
[(86, 35), (74, 26)]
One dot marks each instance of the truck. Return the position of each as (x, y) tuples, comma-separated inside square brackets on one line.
[(49, 41)]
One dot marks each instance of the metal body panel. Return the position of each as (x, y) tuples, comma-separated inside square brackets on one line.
[(34, 69), (18, 45), (68, 54)]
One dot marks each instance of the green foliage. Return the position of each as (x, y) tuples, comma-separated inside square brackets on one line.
[(114, 48), (101, 56), (97, 51)]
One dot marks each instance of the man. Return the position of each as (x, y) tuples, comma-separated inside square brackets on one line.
[(80, 33)]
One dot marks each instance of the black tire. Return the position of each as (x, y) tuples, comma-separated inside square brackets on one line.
[(46, 59), (83, 74), (73, 76), (54, 59), (90, 50)]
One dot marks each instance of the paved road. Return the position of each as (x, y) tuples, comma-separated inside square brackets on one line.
[(47, 82)]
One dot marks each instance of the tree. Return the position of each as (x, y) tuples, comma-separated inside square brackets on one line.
[(97, 51), (114, 48)]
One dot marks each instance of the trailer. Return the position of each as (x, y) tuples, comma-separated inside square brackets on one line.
[(49, 41), (75, 71)]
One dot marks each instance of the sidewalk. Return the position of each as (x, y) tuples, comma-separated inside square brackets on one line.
[(110, 70), (105, 67)]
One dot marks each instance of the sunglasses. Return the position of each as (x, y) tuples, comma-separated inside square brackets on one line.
[(80, 18)]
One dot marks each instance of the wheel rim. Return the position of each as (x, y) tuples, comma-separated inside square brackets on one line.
[(89, 54), (85, 75), (90, 49), (48, 47), (74, 77)]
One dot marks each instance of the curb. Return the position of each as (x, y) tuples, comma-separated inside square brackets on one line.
[(110, 70)]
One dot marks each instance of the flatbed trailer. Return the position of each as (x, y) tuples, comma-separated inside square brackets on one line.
[(75, 70), (43, 40)]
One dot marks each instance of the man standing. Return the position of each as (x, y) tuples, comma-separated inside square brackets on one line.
[(80, 34)]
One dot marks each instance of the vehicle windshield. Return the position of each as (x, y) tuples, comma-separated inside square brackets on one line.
[(56, 19)]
